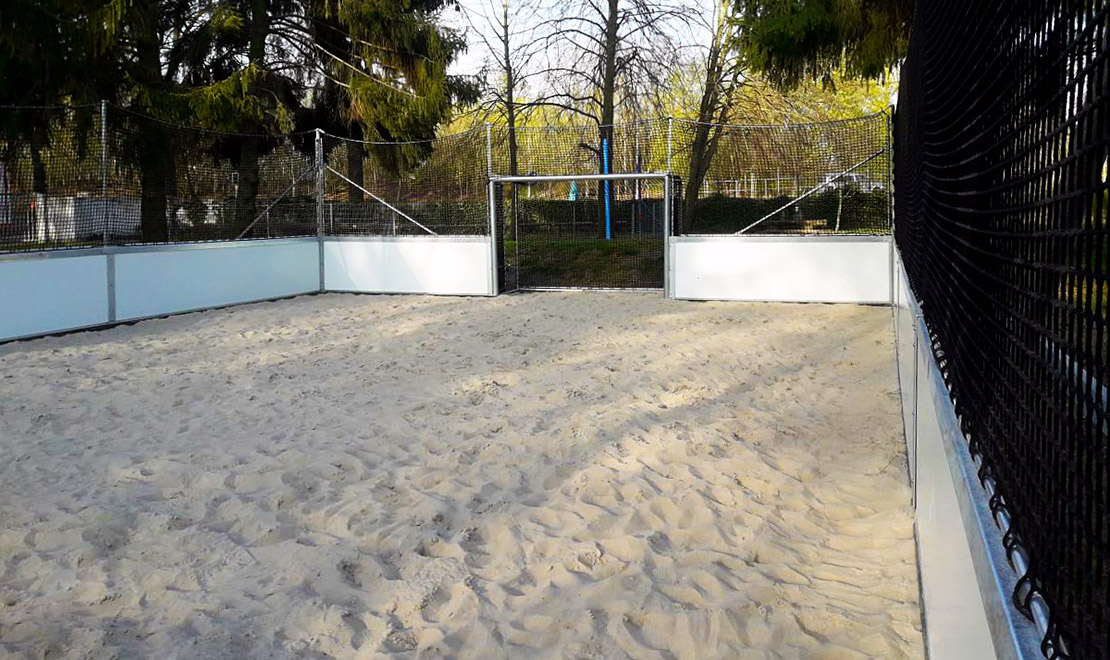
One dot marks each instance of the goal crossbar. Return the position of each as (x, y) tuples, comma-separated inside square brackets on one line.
[(539, 178)]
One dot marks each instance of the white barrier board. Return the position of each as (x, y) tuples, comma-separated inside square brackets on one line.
[(966, 580), (170, 279), (442, 265), (52, 293), (829, 269)]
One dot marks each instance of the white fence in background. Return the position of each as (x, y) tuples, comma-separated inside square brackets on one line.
[(441, 265), (827, 269)]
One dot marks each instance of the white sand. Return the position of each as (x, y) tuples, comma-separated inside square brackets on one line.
[(579, 475)]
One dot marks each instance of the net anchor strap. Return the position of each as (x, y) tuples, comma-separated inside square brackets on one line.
[(813, 190), (382, 201)]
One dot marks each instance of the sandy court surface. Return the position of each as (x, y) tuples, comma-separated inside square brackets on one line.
[(563, 475)]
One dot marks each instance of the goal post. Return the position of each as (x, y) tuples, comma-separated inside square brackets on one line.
[(582, 231)]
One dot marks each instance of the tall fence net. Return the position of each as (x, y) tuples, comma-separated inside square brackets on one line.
[(102, 175), (432, 187), (1001, 171), (639, 146), (171, 184), (52, 178), (813, 178)]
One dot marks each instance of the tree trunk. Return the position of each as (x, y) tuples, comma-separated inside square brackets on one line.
[(38, 168), (246, 194), (246, 205), (608, 110), (152, 141), (713, 107), (510, 85), (152, 176), (40, 222), (510, 119)]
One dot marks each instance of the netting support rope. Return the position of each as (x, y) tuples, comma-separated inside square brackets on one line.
[(1019, 558), (814, 190), (381, 201), (616, 176)]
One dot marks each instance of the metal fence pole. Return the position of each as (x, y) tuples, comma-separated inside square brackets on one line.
[(890, 169), (104, 172), (491, 202), (890, 198), (109, 257), (320, 201), (667, 283)]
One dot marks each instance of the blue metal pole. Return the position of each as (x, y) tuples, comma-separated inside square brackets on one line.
[(605, 170)]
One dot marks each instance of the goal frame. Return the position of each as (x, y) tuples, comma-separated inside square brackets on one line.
[(668, 203)]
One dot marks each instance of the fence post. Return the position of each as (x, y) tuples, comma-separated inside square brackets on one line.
[(320, 201), (668, 285), (495, 267), (670, 142), (104, 172), (890, 198), (890, 168), (109, 257)]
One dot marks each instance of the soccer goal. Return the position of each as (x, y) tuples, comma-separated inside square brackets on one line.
[(592, 231)]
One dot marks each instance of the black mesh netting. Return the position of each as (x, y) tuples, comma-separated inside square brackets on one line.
[(1001, 173), (433, 187), (52, 177), (816, 178), (639, 146), (169, 184), (158, 182), (77, 177)]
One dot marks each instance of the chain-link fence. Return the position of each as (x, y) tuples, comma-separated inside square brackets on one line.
[(817, 178), (170, 184), (632, 147), (1002, 197), (431, 187), (101, 175), (52, 178)]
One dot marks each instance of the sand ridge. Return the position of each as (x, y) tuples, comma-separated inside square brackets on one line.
[(564, 475)]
